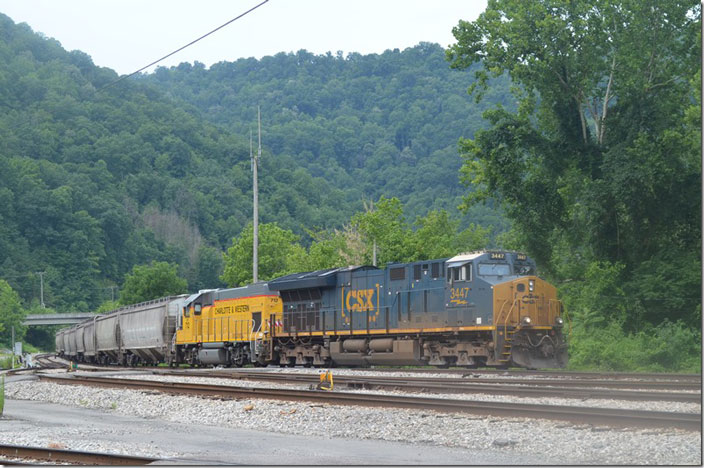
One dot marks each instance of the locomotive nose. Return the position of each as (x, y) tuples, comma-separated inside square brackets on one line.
[(527, 302)]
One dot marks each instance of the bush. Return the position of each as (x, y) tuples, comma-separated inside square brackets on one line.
[(669, 347), (6, 362)]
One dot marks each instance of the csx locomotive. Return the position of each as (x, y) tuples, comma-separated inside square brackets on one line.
[(486, 308)]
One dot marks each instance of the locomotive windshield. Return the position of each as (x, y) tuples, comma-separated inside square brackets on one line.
[(494, 269)]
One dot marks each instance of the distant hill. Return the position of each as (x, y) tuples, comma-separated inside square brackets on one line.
[(157, 168), (378, 124)]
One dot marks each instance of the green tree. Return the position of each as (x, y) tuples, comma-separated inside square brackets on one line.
[(607, 125), (147, 282), (279, 252), (108, 306), (331, 249), (11, 314), (437, 236), (383, 223)]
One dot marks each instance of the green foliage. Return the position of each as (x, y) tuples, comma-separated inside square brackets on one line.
[(595, 297), (385, 225), (669, 347), (599, 168), (438, 236), (278, 252), (371, 125), (334, 249), (435, 235), (11, 315), (148, 282), (107, 306)]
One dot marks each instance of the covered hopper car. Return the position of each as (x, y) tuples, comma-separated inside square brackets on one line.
[(139, 333)]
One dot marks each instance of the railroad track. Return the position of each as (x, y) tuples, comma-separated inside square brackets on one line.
[(661, 380), (449, 385), (19, 455), (47, 362), (40, 361), (580, 415), (550, 373)]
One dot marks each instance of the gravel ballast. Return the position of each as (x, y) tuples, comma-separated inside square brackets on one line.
[(667, 406), (574, 444)]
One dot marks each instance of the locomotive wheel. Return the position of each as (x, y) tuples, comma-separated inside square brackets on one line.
[(239, 359)]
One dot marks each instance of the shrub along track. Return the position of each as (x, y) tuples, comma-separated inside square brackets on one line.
[(579, 415)]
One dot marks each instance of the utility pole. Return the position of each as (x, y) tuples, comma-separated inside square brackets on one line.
[(41, 288), (255, 190), (369, 208)]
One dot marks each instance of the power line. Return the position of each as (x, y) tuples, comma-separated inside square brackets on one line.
[(181, 48)]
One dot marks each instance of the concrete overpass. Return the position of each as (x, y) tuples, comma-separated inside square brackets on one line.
[(56, 319)]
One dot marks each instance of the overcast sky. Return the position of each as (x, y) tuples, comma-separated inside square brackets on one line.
[(126, 35)]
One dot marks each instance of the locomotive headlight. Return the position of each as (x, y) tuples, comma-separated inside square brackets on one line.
[(559, 321), (531, 285), (526, 320)]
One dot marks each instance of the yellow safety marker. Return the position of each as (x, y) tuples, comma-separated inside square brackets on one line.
[(326, 382)]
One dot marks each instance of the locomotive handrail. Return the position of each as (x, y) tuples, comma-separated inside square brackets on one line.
[(252, 345), (508, 315), (420, 289), (239, 332)]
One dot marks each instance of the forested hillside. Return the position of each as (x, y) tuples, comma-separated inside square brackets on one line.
[(95, 181), (372, 125)]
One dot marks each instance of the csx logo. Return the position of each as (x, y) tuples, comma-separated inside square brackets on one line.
[(360, 299)]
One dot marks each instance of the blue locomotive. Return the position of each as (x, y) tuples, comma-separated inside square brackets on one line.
[(486, 308)]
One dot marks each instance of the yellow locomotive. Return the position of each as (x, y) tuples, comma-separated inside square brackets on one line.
[(227, 326)]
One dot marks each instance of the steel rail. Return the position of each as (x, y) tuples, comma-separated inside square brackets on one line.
[(589, 415), (649, 385), (477, 372), (55, 456), (548, 373), (446, 385)]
